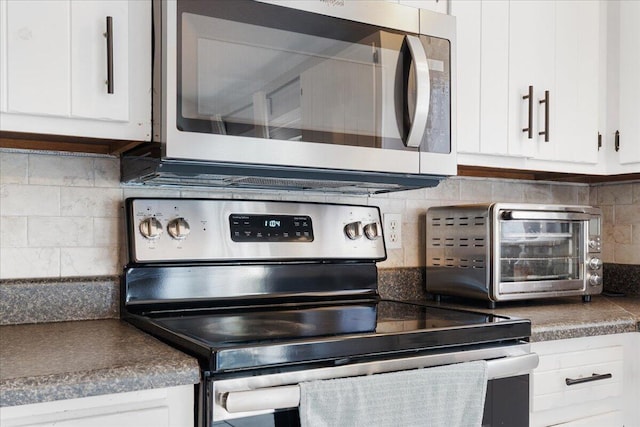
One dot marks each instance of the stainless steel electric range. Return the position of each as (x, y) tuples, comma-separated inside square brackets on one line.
[(269, 294)]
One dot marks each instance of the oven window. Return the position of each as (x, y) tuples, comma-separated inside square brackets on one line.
[(533, 250)]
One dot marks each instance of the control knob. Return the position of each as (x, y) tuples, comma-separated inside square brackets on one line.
[(353, 230), (595, 280), (178, 228), (150, 228), (595, 263), (372, 230)]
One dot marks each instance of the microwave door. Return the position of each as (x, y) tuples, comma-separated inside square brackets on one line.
[(262, 88)]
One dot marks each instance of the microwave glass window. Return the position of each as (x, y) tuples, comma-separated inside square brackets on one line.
[(291, 75), (541, 250)]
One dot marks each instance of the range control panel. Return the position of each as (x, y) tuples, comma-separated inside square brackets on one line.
[(228, 230), (270, 228)]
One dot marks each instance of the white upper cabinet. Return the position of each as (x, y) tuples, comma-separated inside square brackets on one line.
[(505, 47), (56, 73), (624, 86)]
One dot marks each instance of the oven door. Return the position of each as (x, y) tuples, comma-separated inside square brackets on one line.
[(272, 399), (543, 253), (260, 83)]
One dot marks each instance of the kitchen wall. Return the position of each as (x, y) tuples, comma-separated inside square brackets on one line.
[(62, 215)]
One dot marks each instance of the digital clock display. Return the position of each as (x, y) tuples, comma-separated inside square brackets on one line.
[(270, 228)]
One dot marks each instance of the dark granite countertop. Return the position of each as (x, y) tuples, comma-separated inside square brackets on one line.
[(64, 360), (72, 356), (560, 318)]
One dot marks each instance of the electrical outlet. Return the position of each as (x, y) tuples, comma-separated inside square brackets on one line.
[(392, 230)]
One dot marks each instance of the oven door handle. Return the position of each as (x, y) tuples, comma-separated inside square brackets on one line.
[(282, 397)]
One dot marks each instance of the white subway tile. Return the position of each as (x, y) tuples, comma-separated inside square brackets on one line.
[(106, 172), (108, 232), (413, 242), (614, 194), (13, 232), (89, 261), (140, 191), (14, 168), (16, 263), (564, 194), (475, 190), (538, 193), (29, 200), (60, 170), (448, 189), (95, 202), (507, 191), (627, 214), (60, 232), (626, 254)]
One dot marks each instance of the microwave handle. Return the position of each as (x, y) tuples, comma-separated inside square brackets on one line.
[(539, 215), (423, 92)]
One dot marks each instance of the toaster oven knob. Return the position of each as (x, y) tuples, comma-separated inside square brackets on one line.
[(595, 263), (595, 280), (150, 228), (353, 230), (372, 230), (178, 228)]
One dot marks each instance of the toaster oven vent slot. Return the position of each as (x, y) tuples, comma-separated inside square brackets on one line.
[(461, 242), (463, 221), (457, 263)]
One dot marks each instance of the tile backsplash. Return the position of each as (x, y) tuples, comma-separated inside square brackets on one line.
[(62, 215)]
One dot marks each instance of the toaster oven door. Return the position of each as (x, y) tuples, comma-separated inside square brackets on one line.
[(540, 253)]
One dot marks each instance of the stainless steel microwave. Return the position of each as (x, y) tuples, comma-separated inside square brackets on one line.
[(505, 251), (347, 96)]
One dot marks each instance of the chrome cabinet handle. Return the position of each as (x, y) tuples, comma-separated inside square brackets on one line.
[(423, 92), (529, 128), (109, 36), (545, 101), (593, 377)]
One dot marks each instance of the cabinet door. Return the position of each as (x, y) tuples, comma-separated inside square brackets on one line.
[(531, 63), (483, 73), (629, 89), (89, 95), (576, 95), (53, 68), (38, 57)]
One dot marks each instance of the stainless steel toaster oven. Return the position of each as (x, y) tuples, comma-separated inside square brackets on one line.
[(506, 251)]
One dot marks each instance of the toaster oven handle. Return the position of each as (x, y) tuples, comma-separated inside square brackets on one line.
[(542, 215), (423, 92)]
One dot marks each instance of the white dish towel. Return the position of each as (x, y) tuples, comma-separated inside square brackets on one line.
[(443, 396)]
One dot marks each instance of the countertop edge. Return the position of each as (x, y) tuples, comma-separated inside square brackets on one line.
[(24, 391)]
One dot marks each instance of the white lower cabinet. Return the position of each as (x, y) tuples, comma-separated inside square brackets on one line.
[(166, 407), (590, 381)]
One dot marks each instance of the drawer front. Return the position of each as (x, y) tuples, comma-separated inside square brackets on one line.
[(592, 374), (610, 419)]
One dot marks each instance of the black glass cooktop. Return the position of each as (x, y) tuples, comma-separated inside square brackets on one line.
[(236, 340)]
